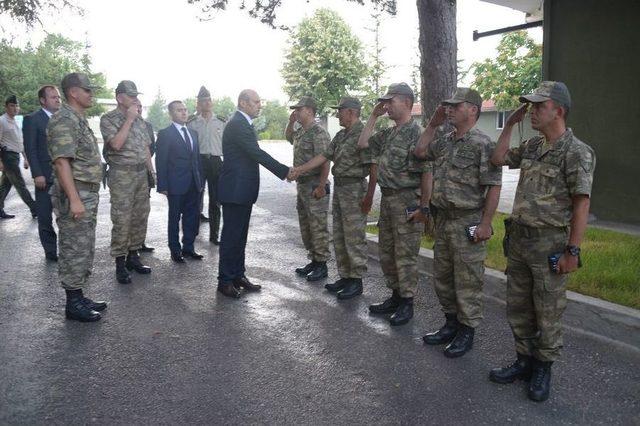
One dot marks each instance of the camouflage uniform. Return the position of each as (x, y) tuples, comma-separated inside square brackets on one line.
[(350, 169), (550, 175), (71, 137), (312, 213), (462, 173), (128, 182), (399, 178)]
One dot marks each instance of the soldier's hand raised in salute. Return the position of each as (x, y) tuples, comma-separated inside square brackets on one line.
[(517, 115), (439, 117), (379, 110)]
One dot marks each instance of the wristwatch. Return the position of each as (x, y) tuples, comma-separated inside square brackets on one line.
[(424, 210), (573, 250)]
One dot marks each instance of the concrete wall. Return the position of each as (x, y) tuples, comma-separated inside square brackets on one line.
[(592, 45), (487, 123)]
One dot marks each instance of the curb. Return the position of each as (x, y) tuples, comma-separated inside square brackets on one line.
[(584, 314)]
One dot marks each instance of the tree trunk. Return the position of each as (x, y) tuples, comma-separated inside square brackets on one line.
[(438, 52)]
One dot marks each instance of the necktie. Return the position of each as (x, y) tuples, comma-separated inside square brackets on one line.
[(186, 137)]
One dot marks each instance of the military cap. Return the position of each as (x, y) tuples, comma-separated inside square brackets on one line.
[(204, 93), (76, 79), (305, 101), (11, 99), (127, 87), (397, 89), (550, 90), (464, 94), (348, 102)]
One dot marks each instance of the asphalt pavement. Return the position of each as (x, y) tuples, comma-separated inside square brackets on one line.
[(170, 350)]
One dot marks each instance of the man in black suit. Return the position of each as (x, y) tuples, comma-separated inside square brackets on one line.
[(34, 132), (238, 187), (180, 178)]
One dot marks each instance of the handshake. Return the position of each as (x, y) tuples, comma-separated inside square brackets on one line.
[(294, 174)]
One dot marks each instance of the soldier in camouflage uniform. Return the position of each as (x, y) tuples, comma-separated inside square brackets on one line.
[(312, 203), (78, 172), (405, 182), (549, 217), (350, 205), (466, 193), (126, 150)]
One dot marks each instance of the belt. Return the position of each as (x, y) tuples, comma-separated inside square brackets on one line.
[(129, 167), (346, 180), (87, 186), (394, 191), (308, 179), (526, 231), (453, 213), (210, 156)]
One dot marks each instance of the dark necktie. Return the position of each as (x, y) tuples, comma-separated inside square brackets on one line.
[(186, 137)]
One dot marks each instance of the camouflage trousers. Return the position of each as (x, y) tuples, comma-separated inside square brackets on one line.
[(458, 267), (76, 237), (312, 216), (399, 241), (129, 209), (536, 297), (349, 234)]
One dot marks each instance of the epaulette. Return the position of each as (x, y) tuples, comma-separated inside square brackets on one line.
[(221, 118), (191, 118)]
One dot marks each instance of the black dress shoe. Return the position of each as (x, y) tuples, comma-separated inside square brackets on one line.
[(351, 290), (520, 369), (94, 305), (177, 257), (146, 249), (229, 290), (122, 275), (305, 269), (34, 214), (203, 218), (192, 254), (461, 344), (389, 306), (77, 310), (51, 256), (318, 272), (540, 385), (337, 286), (404, 313), (5, 215), (133, 263), (446, 333), (243, 282)]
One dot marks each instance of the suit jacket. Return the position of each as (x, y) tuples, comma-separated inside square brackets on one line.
[(239, 180), (177, 165), (34, 133)]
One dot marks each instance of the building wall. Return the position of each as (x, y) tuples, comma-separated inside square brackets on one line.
[(592, 46), (488, 124)]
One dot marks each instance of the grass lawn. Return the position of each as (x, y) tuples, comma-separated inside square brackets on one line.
[(611, 263)]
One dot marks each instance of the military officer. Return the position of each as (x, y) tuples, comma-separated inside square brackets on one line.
[(312, 203), (465, 197), (126, 150), (78, 172), (405, 182), (544, 231)]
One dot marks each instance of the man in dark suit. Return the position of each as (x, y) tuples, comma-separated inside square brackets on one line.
[(34, 132), (180, 178), (238, 187)]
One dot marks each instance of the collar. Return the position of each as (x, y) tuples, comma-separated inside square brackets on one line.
[(249, 119), (179, 126), (46, 111)]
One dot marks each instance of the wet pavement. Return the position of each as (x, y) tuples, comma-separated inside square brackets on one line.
[(170, 350)]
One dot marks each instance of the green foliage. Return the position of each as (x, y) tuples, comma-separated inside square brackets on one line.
[(24, 71), (272, 121), (517, 69), (324, 60), (224, 107), (157, 114), (29, 11)]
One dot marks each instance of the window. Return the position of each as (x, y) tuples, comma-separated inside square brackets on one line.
[(501, 117)]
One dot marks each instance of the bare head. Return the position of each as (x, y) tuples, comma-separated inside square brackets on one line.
[(49, 98), (249, 103)]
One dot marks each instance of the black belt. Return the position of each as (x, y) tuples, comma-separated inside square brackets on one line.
[(128, 167), (394, 191), (346, 180), (210, 156)]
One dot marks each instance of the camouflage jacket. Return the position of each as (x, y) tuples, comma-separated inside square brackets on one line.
[(136, 146), (309, 143), (343, 150)]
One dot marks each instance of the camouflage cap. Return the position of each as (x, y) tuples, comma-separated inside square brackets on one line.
[(305, 101), (550, 90), (397, 89), (11, 99), (127, 87), (464, 94), (348, 102), (77, 79), (204, 93)]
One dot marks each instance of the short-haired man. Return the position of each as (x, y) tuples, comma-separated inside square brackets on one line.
[(11, 146), (126, 150), (466, 191), (352, 198), (544, 231), (78, 172), (309, 140), (405, 183)]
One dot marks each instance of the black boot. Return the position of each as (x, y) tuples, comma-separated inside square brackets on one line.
[(95, 305), (520, 369), (77, 309), (305, 269), (121, 271), (540, 385), (337, 286), (133, 263), (319, 272), (461, 344), (389, 306), (351, 290), (404, 312), (446, 333)]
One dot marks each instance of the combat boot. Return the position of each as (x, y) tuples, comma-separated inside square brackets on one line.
[(446, 333), (462, 343), (133, 263), (540, 385), (404, 313), (319, 272), (95, 305), (305, 269), (337, 286), (76, 308), (351, 290), (520, 369), (121, 271), (389, 306)]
